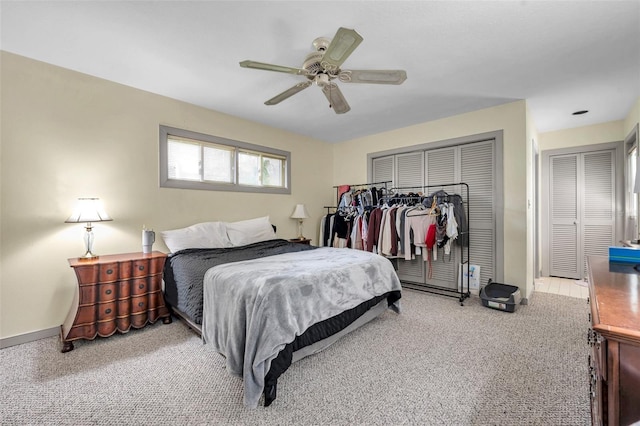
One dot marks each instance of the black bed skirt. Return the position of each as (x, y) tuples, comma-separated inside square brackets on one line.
[(316, 333)]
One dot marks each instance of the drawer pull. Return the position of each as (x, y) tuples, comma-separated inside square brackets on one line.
[(108, 291), (109, 271), (141, 304), (140, 268), (141, 286), (108, 311)]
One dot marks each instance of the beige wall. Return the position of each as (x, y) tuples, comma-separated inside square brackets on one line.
[(632, 119), (350, 166), (610, 131), (66, 135)]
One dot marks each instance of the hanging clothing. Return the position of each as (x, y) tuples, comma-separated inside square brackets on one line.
[(373, 232), (416, 230)]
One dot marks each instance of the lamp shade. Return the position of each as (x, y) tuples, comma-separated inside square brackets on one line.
[(300, 212), (88, 210)]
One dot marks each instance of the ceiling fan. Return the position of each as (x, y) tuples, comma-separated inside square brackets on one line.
[(323, 66)]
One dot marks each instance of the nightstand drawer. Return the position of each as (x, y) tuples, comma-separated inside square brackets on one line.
[(140, 268), (139, 286), (136, 304), (92, 294), (133, 287), (97, 273), (93, 313), (109, 272)]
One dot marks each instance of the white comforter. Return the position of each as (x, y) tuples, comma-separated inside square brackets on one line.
[(253, 308)]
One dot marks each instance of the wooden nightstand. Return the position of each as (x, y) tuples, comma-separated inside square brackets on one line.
[(306, 241), (115, 293)]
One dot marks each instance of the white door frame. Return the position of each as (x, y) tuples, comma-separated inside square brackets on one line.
[(546, 191)]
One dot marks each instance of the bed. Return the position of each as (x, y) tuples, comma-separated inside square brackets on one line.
[(267, 304)]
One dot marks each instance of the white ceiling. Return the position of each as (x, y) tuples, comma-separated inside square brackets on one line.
[(459, 56)]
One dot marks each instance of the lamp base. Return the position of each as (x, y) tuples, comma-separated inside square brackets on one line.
[(88, 256)]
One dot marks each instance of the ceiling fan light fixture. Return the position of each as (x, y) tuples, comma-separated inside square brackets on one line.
[(322, 80)]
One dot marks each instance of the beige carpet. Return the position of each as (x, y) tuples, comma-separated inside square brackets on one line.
[(436, 363)]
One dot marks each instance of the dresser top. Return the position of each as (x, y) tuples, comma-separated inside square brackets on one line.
[(614, 290), (110, 258)]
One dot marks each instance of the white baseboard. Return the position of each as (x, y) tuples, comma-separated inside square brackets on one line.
[(29, 337)]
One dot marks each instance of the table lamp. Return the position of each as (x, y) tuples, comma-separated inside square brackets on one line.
[(88, 210), (299, 213)]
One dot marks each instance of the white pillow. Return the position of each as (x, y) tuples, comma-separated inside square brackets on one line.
[(250, 231), (200, 235)]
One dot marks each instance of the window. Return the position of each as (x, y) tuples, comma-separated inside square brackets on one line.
[(631, 231), (193, 160)]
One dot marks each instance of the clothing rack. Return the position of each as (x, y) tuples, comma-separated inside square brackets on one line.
[(427, 191), (358, 186)]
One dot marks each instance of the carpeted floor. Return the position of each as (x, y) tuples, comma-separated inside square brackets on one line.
[(435, 364)]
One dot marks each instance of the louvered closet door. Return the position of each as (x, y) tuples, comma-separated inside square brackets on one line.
[(582, 210), (478, 171), (383, 169), (598, 212), (563, 255), (441, 169), (410, 173)]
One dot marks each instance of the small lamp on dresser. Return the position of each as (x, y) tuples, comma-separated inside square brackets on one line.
[(300, 213), (88, 210)]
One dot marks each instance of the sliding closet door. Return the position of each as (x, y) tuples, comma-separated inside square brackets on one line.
[(581, 209)]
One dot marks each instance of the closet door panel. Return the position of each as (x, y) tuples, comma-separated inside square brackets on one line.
[(411, 270), (564, 217), (383, 169), (478, 171), (410, 174), (444, 270), (563, 255), (598, 210), (440, 167), (410, 171)]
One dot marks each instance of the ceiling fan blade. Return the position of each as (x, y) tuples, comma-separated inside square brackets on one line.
[(373, 76), (336, 98), (343, 44), (272, 67), (288, 93)]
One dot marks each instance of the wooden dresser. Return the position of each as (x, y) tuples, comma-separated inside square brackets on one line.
[(614, 337), (115, 293)]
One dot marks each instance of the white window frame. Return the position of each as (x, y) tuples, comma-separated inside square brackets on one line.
[(167, 132), (632, 199)]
